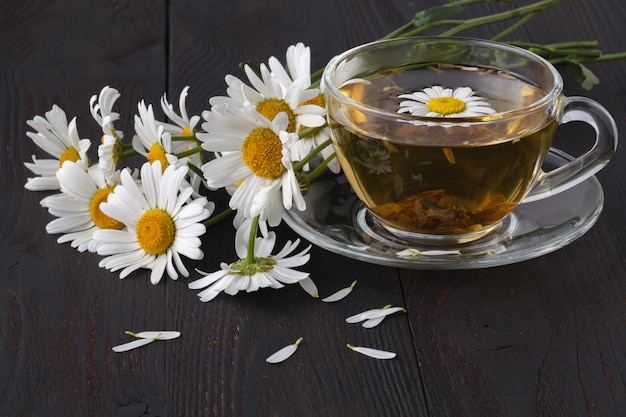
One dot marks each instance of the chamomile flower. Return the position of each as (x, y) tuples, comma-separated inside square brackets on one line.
[(78, 206), (271, 94), (162, 223), (184, 127), (101, 107), (151, 140), (59, 139), (183, 124), (254, 154), (109, 154), (265, 270), (437, 101)]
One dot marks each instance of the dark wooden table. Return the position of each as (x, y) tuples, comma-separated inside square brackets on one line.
[(544, 337)]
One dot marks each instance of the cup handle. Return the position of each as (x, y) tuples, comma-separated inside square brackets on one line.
[(579, 169)]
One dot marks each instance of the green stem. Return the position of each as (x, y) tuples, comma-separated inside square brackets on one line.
[(514, 27), (251, 240), (498, 17), (195, 169), (126, 153), (189, 152), (411, 28), (321, 168), (218, 218), (298, 166)]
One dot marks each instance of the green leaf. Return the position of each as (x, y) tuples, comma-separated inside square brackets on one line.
[(584, 75)]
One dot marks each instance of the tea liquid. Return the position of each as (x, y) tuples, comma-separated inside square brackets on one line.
[(430, 179)]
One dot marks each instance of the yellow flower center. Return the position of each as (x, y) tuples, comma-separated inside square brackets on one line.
[(155, 231), (318, 100), (445, 105), (186, 132), (70, 154), (99, 218), (157, 153), (272, 106), (262, 153)]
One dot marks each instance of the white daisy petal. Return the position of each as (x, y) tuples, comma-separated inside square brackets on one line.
[(372, 353), (157, 334), (340, 295), (284, 353), (309, 286), (132, 345)]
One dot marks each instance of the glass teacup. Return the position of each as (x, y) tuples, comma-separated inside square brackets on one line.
[(441, 138)]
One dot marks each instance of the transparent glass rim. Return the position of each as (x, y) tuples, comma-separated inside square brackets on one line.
[(551, 96)]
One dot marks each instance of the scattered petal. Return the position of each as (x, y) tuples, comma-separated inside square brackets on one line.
[(374, 317), (372, 353), (309, 286), (132, 345), (144, 338), (366, 314), (156, 335), (340, 295), (284, 353)]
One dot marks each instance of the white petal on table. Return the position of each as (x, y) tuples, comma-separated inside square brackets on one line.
[(144, 338), (132, 345), (158, 335), (284, 353), (339, 295), (372, 353)]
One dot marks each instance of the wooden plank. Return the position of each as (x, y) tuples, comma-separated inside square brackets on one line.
[(60, 313), (230, 337), (541, 337)]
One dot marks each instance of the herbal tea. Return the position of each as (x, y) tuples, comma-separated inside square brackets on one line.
[(434, 179)]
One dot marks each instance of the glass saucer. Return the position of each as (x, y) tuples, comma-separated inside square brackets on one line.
[(337, 221)]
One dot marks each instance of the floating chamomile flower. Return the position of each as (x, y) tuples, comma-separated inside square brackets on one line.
[(263, 271), (78, 206), (444, 102), (253, 154), (59, 139), (162, 223)]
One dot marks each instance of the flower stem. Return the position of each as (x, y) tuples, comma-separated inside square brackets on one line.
[(189, 152), (498, 17), (297, 166), (321, 168), (218, 218), (251, 239)]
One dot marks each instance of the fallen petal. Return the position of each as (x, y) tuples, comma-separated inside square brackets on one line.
[(368, 324), (284, 353), (372, 353), (157, 335), (132, 345), (339, 295)]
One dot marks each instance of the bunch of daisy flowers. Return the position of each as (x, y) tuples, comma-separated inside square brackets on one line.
[(257, 143)]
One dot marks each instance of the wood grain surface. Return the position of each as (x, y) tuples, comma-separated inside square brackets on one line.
[(544, 337)]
